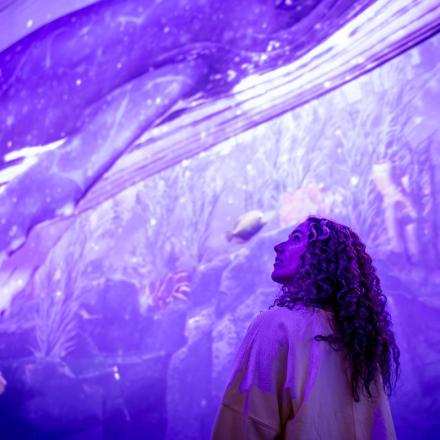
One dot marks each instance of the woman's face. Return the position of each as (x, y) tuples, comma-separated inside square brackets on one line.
[(288, 255)]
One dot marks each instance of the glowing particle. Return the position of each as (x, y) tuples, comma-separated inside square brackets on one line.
[(185, 162), (273, 45), (354, 180), (66, 210), (153, 221), (231, 74), (250, 169), (116, 374), (78, 82), (29, 23)]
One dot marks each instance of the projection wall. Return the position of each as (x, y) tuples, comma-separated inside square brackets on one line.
[(125, 292)]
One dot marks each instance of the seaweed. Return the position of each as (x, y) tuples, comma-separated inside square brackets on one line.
[(376, 128), (279, 156), (422, 187), (178, 206), (59, 295), (201, 188)]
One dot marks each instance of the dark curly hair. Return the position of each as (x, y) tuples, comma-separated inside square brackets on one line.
[(336, 273)]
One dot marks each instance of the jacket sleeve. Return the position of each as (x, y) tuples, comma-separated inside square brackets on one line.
[(256, 404)]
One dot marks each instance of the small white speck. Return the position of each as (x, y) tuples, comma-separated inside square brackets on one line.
[(231, 74), (354, 180), (66, 209), (29, 23), (78, 82), (116, 374)]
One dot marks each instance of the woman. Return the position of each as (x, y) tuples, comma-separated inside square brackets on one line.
[(321, 362)]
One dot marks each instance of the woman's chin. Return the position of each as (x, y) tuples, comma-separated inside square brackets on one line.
[(277, 277)]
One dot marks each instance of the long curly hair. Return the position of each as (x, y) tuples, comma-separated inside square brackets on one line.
[(336, 273)]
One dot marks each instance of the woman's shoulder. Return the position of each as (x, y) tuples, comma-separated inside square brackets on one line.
[(298, 319)]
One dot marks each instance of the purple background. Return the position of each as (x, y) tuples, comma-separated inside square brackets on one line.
[(121, 320)]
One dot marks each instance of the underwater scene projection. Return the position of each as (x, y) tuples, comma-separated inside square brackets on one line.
[(152, 153)]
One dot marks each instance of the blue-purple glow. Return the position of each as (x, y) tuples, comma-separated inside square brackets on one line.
[(151, 154)]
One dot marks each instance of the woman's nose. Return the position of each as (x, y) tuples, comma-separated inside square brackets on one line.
[(277, 247)]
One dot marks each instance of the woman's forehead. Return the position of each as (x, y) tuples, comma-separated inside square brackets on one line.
[(302, 227)]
